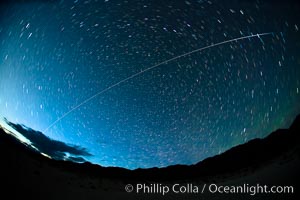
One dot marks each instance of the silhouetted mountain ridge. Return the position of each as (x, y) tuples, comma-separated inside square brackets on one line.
[(254, 153)]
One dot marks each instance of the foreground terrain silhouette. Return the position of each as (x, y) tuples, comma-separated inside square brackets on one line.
[(274, 160)]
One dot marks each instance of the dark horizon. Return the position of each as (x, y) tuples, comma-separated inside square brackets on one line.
[(41, 142)]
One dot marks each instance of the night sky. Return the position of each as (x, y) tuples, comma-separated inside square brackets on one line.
[(54, 55)]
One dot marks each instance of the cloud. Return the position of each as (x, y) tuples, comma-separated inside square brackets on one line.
[(55, 149)]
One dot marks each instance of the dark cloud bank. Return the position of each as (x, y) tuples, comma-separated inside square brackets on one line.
[(55, 149)]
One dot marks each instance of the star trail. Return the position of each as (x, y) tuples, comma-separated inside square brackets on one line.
[(144, 84)]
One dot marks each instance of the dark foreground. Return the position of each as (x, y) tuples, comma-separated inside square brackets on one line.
[(272, 161)]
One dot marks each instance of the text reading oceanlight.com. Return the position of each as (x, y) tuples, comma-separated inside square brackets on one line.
[(158, 188)]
